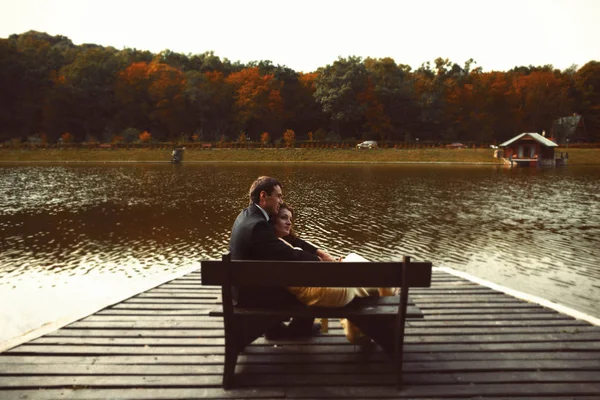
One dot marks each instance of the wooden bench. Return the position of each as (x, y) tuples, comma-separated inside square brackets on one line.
[(382, 319)]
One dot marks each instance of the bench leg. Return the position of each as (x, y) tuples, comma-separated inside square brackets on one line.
[(231, 355), (247, 331), (382, 329), (378, 328)]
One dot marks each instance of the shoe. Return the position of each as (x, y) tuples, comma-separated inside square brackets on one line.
[(303, 329), (353, 334), (277, 332)]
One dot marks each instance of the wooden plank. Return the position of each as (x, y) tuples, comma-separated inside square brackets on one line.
[(114, 312), (436, 359), (16, 359), (197, 300), (442, 347), (519, 307), (566, 322), (324, 339), (302, 368), (162, 306), (295, 348), (447, 391), (174, 288), (266, 380), (485, 310), (115, 333), (423, 331), (169, 323), (217, 323), (453, 291), (108, 369), (174, 295), (82, 393), (106, 381), (378, 378), (422, 300), (208, 393), (132, 341), (200, 317), (497, 316)]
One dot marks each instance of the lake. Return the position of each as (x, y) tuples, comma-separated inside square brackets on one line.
[(73, 233)]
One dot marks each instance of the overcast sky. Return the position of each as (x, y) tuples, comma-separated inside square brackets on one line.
[(305, 35)]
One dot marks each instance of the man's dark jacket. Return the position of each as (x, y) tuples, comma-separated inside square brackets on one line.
[(253, 238)]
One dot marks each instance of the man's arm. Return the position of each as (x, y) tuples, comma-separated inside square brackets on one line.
[(308, 246), (295, 241), (266, 246)]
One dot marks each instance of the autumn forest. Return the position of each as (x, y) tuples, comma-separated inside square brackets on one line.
[(51, 87)]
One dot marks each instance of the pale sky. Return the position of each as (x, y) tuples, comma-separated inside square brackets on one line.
[(305, 35)]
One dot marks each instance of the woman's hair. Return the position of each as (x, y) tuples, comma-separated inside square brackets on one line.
[(285, 206)]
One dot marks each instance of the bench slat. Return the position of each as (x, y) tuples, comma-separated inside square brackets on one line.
[(315, 273), (321, 312)]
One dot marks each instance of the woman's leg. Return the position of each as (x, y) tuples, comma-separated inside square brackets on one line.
[(353, 334), (324, 296)]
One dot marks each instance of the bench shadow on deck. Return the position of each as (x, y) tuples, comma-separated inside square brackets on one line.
[(161, 344)]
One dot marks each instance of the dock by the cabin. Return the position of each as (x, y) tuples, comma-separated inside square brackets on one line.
[(474, 342)]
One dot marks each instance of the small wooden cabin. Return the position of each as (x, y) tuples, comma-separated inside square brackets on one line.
[(529, 149)]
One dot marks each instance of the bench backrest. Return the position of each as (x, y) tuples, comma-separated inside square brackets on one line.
[(314, 273)]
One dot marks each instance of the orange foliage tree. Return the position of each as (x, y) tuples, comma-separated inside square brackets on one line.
[(257, 97), (66, 137), (264, 138), (289, 137), (166, 93), (377, 122), (152, 91), (145, 137), (540, 96)]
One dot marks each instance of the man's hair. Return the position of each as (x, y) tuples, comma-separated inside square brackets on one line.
[(262, 183)]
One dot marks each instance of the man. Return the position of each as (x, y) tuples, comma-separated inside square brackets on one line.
[(253, 238)]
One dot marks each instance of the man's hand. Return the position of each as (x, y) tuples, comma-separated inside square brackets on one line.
[(324, 256)]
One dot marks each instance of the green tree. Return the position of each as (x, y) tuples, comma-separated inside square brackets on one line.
[(82, 99), (587, 97), (393, 88), (337, 89), (13, 86), (40, 55)]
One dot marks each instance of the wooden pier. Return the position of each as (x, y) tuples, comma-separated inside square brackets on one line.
[(473, 343)]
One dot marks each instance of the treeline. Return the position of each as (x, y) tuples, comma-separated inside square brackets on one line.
[(89, 93)]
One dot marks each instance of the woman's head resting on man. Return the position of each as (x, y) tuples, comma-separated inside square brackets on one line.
[(282, 222)]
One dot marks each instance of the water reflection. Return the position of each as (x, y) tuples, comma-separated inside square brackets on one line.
[(535, 230)]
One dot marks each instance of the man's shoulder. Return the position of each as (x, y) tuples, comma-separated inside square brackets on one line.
[(248, 217), (251, 213)]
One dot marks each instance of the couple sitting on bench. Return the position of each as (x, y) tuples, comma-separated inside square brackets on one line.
[(263, 231)]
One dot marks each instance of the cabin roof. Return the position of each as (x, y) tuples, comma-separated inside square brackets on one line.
[(533, 135)]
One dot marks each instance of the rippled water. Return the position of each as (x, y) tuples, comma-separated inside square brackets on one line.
[(534, 230)]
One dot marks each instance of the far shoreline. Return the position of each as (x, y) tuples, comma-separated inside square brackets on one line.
[(422, 156)]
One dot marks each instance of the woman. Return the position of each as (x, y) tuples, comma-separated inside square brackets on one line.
[(282, 223), (323, 296)]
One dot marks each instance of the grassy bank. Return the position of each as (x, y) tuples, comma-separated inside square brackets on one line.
[(576, 156)]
